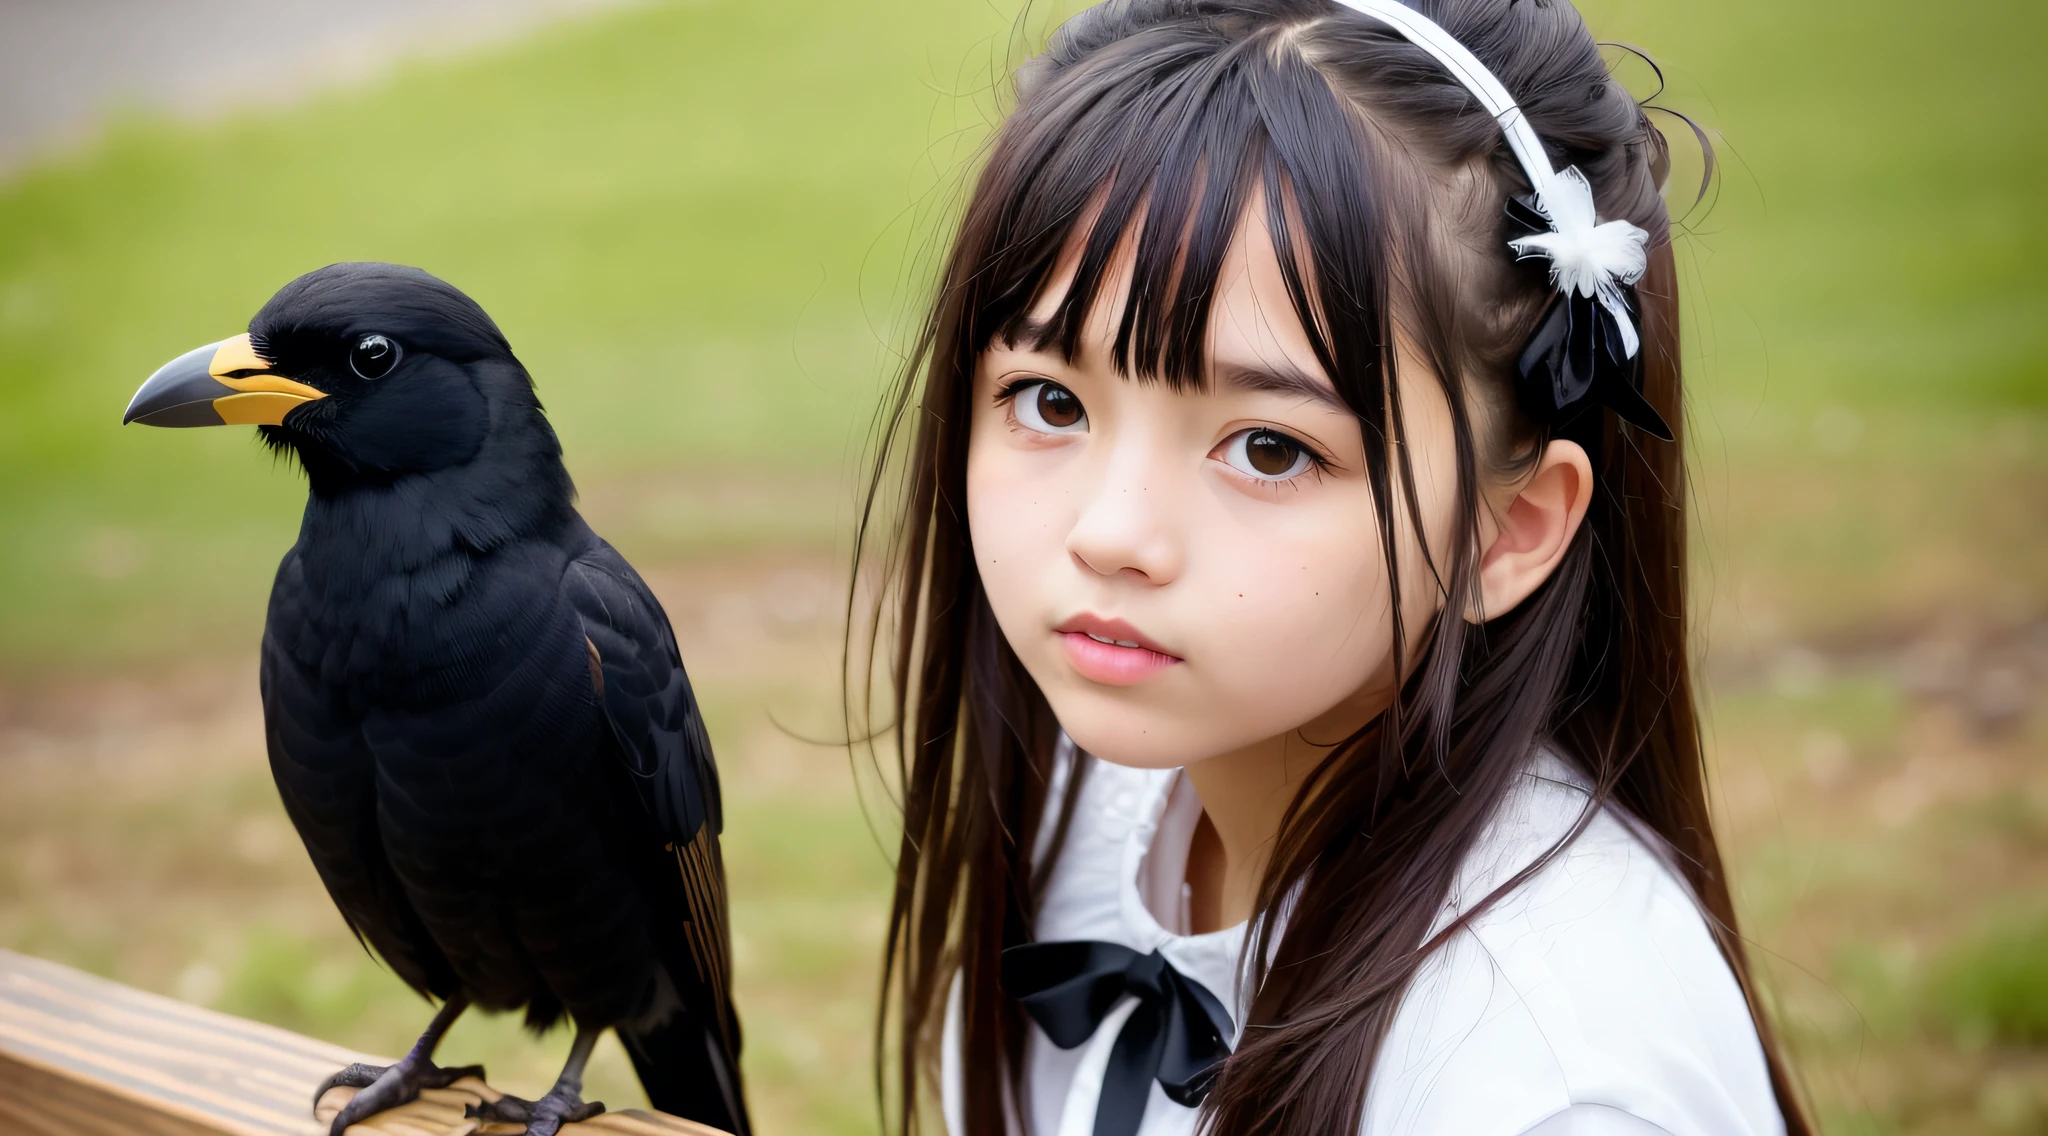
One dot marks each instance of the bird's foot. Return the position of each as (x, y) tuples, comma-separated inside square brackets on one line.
[(387, 1086), (543, 1117)]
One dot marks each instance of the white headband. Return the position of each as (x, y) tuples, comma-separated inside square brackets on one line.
[(1586, 258)]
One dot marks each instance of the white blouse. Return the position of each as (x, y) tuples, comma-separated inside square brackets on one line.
[(1590, 1001)]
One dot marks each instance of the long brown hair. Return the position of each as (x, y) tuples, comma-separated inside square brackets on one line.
[(1384, 183)]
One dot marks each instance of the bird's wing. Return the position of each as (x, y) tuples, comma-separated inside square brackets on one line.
[(327, 779), (638, 676)]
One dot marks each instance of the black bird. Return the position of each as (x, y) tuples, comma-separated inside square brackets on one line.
[(475, 709)]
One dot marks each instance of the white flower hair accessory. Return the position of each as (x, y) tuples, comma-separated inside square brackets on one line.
[(1588, 347)]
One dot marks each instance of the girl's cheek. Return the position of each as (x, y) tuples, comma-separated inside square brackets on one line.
[(1287, 619), (1011, 499), (1297, 619)]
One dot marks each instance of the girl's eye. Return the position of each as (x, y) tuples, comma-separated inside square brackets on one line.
[(1047, 407), (1267, 455)]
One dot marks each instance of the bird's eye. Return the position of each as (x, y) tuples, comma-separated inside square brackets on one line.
[(373, 356)]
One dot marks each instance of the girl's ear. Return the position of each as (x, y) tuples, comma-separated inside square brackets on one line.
[(1521, 545)]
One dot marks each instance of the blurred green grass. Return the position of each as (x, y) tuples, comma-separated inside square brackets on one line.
[(1993, 987), (701, 225), (691, 220)]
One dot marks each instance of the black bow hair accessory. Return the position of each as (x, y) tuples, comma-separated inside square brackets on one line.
[(1581, 355), (1178, 1035)]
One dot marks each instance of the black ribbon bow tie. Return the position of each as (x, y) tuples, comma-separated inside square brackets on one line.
[(1579, 354), (1178, 1035)]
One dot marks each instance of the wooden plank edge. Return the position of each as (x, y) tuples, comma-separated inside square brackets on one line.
[(113, 1075), (38, 1099)]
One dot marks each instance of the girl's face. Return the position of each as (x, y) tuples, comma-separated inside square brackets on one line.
[(1187, 574)]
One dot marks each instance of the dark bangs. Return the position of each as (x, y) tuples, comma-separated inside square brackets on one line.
[(1167, 137)]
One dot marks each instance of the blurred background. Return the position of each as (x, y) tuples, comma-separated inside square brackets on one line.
[(705, 225)]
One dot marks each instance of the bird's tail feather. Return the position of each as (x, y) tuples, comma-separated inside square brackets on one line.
[(688, 1071)]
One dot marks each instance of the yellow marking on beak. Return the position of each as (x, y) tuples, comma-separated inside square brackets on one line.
[(257, 408), (265, 396), (236, 354)]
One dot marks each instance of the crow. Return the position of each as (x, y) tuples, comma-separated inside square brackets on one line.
[(475, 710)]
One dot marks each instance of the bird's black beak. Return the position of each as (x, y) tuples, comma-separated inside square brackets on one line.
[(220, 384)]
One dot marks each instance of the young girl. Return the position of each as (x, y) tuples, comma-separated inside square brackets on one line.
[(1288, 602)]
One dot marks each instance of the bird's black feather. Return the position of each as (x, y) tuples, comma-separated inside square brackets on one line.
[(646, 696), (665, 752), (476, 711)]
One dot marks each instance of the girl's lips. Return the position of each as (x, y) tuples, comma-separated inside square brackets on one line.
[(1111, 630), (1126, 658)]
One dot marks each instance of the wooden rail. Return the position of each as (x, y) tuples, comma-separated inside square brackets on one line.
[(82, 1056)]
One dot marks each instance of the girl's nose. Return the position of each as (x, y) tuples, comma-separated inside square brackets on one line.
[(1127, 526)]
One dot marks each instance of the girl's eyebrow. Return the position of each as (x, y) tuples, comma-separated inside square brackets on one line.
[(1283, 379), (1026, 332)]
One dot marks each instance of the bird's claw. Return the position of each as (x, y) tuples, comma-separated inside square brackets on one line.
[(387, 1086), (543, 1117)]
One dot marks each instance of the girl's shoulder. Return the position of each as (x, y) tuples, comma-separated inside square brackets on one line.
[(1592, 992)]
